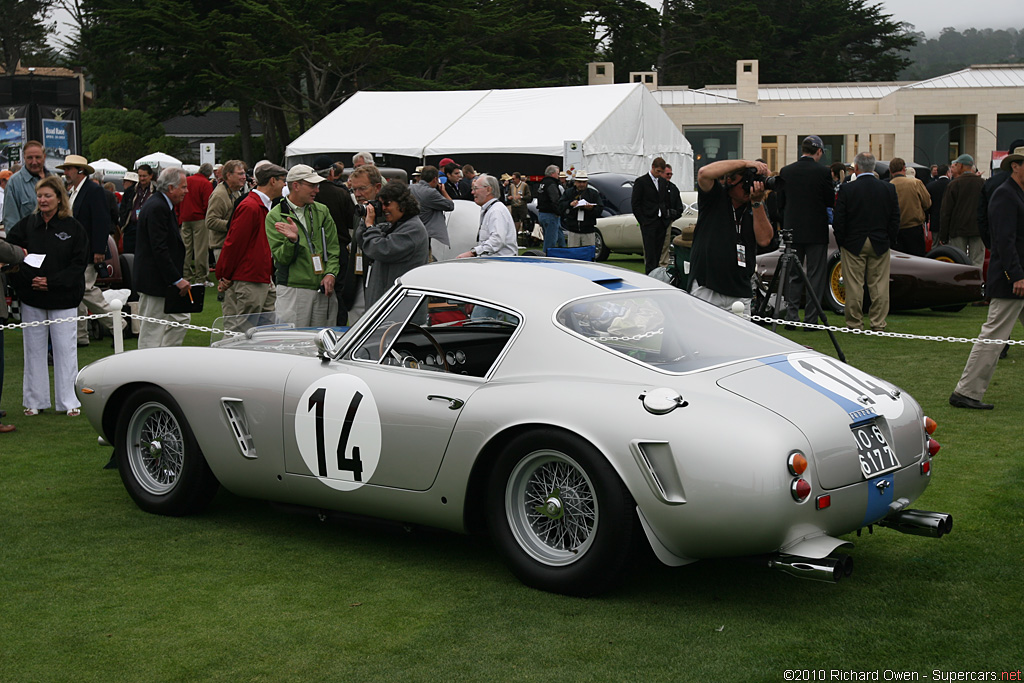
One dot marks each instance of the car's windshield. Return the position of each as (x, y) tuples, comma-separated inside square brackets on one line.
[(669, 330)]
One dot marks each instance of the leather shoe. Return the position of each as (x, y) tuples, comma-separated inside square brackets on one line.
[(960, 401), (4, 429)]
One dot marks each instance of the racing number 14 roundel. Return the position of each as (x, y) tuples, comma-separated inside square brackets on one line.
[(337, 428)]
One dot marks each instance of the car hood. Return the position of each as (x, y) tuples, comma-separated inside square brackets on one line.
[(823, 398)]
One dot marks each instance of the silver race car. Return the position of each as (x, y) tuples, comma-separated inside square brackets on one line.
[(569, 409)]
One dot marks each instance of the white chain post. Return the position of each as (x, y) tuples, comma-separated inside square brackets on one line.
[(117, 319)]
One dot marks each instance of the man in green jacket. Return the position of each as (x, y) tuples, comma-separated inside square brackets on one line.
[(304, 243)]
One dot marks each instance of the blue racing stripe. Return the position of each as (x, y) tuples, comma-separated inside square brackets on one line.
[(857, 412), (578, 268), (879, 499)]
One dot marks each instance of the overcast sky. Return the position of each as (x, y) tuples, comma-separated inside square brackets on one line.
[(931, 16)]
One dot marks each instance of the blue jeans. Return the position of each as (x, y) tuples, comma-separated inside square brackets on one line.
[(552, 226)]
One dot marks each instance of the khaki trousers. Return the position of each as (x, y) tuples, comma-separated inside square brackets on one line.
[(871, 269), (153, 335), (196, 237), (306, 307), (244, 302), (92, 303), (981, 364)]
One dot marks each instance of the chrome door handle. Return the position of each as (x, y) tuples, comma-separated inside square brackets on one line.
[(453, 403)]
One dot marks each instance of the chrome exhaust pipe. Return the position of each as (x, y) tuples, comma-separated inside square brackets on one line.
[(829, 569), (920, 523)]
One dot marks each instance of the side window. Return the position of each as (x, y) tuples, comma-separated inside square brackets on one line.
[(440, 334)]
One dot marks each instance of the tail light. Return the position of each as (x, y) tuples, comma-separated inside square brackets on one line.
[(929, 425), (797, 463), (933, 446), (800, 490)]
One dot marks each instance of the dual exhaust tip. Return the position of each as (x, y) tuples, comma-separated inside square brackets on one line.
[(832, 569)]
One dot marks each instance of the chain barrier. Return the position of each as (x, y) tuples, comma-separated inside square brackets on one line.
[(752, 318), (140, 318), (879, 333)]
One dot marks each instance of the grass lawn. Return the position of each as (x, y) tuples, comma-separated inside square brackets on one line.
[(93, 589)]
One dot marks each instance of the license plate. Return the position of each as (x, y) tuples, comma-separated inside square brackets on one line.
[(875, 455)]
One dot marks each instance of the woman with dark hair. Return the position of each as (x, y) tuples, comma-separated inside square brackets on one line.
[(49, 291), (394, 247)]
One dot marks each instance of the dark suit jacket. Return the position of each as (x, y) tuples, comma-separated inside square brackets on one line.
[(647, 200), (804, 200), (93, 212), (866, 208), (937, 190), (159, 252)]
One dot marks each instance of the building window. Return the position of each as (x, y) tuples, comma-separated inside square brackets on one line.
[(938, 139), (1009, 127), (600, 69), (713, 144), (748, 67)]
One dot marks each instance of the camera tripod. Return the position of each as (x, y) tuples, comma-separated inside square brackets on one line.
[(789, 262)]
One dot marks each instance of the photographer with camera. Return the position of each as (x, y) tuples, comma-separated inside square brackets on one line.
[(365, 183), (731, 223), (395, 246), (304, 242)]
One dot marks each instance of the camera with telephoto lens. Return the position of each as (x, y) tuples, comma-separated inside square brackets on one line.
[(750, 176), (378, 208), (103, 270)]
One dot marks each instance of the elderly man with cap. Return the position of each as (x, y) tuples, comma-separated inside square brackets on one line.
[(1005, 283), (958, 220), (804, 200), (304, 242), (914, 204), (89, 207), (245, 267), (580, 207)]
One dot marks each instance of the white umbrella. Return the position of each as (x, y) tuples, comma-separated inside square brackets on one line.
[(158, 160), (107, 167), (191, 169)]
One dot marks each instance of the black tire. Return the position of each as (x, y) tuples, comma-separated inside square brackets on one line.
[(559, 514), (601, 252), (169, 475), (949, 254), (835, 288), (533, 252)]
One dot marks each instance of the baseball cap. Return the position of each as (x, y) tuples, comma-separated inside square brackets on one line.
[(965, 159), (444, 162), (814, 140), (322, 162), (303, 172)]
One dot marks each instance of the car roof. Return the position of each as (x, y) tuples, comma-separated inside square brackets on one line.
[(526, 282)]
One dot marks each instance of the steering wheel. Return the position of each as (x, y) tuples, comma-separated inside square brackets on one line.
[(430, 338)]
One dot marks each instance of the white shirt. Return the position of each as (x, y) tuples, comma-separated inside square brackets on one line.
[(497, 235)]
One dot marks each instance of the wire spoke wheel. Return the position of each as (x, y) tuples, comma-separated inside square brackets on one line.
[(551, 507), (156, 448)]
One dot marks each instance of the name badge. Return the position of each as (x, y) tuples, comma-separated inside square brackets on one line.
[(359, 263), (579, 216), (318, 266), (741, 255)]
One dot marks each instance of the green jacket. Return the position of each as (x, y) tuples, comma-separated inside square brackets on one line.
[(293, 262)]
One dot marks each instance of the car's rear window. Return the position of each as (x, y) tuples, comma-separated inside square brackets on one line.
[(668, 330)]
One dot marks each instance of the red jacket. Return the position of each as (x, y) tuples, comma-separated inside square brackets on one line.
[(246, 254), (193, 207)]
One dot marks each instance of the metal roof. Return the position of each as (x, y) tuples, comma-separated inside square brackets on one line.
[(981, 76), (984, 76)]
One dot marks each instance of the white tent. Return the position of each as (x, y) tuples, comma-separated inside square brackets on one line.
[(107, 167), (621, 127), (158, 160)]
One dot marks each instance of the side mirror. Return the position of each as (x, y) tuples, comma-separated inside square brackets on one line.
[(328, 344)]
